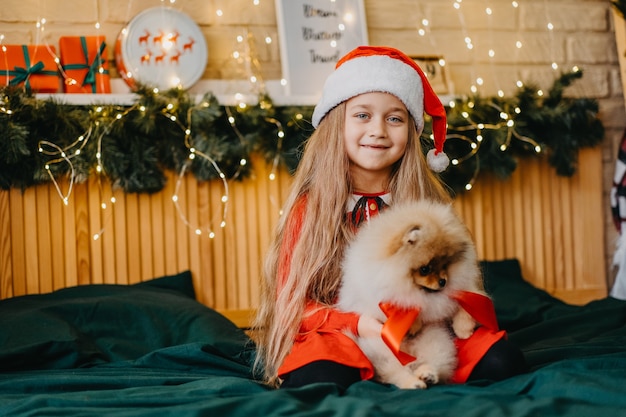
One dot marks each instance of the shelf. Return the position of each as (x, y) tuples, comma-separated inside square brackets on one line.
[(227, 92)]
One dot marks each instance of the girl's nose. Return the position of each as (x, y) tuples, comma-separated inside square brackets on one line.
[(378, 128)]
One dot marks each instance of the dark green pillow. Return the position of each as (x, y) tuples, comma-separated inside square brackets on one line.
[(518, 303), (96, 324)]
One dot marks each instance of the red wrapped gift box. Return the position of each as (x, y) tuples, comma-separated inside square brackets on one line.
[(32, 66), (84, 62)]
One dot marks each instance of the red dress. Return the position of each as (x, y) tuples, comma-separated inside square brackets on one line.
[(321, 335)]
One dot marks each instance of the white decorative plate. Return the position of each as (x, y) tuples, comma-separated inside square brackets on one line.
[(161, 47)]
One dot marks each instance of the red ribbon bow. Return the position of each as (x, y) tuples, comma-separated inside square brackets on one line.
[(479, 306), (400, 319)]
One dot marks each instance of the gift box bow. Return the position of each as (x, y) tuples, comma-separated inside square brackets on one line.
[(93, 68), (22, 74)]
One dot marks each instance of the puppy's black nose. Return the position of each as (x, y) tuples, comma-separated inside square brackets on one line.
[(442, 282)]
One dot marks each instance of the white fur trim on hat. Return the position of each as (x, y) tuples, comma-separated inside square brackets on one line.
[(368, 74)]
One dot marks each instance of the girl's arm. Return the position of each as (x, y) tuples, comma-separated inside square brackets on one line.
[(369, 327), (318, 317)]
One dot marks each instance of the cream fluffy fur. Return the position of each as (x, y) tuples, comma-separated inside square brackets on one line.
[(414, 255)]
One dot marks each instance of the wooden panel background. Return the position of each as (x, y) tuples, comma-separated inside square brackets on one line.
[(552, 224)]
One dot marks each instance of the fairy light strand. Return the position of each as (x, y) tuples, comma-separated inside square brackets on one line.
[(550, 28), (193, 153), (252, 68), (246, 52)]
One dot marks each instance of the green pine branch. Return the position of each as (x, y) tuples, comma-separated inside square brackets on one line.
[(133, 146)]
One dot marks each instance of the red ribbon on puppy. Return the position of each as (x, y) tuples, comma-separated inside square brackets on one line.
[(479, 306), (400, 319)]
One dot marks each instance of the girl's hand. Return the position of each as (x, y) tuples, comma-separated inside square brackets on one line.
[(368, 326)]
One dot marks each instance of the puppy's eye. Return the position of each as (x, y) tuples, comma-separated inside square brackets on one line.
[(425, 270)]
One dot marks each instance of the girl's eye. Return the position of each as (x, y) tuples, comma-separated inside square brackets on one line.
[(361, 116), (395, 119)]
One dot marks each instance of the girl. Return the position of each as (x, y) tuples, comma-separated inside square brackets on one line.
[(364, 155)]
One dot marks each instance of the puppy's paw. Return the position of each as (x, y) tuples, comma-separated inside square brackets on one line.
[(410, 382), (427, 374), (415, 327), (463, 324)]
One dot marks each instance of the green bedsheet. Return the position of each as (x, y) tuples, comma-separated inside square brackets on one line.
[(152, 350)]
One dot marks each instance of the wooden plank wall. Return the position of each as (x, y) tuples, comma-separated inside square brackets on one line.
[(552, 224)]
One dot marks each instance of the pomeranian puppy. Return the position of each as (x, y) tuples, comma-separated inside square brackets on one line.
[(413, 256)]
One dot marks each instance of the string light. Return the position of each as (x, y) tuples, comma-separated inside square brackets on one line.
[(507, 122), (245, 54), (41, 39), (550, 27), (193, 154), (280, 134), (66, 154)]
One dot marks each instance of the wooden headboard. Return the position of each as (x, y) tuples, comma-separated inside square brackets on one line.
[(552, 224)]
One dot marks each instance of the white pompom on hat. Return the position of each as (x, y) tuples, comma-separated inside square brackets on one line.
[(368, 69)]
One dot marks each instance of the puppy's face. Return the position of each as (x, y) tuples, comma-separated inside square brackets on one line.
[(428, 251)]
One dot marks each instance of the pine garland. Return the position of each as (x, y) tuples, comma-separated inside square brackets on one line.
[(134, 145), (556, 125)]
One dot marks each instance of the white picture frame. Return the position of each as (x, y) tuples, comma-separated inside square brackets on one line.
[(312, 41)]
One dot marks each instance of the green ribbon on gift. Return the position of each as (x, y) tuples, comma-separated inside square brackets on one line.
[(23, 74), (92, 69)]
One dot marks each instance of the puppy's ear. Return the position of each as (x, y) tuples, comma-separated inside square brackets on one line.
[(411, 237), (398, 242)]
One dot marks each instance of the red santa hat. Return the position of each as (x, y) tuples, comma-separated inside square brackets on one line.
[(377, 68)]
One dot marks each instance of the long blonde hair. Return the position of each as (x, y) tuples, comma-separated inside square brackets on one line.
[(315, 272)]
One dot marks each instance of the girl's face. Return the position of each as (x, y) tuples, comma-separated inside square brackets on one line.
[(375, 138)]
